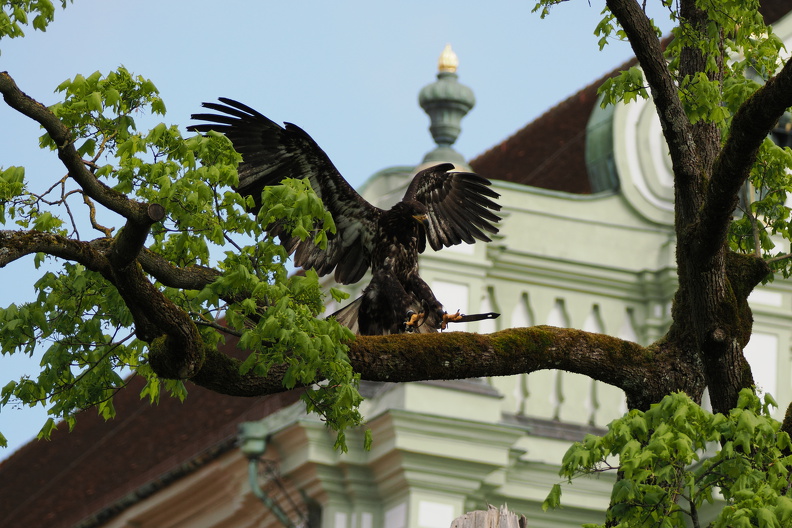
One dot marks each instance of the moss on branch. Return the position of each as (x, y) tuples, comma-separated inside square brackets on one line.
[(459, 355)]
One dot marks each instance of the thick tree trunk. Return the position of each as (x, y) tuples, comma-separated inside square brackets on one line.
[(711, 318)]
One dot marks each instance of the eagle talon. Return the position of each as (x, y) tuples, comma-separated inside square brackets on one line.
[(414, 320), (450, 318)]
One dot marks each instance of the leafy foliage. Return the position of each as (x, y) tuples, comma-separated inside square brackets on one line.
[(625, 87), (81, 322), (764, 225), (715, 93), (14, 14), (676, 456)]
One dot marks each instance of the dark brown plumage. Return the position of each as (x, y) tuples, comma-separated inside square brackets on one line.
[(441, 206)]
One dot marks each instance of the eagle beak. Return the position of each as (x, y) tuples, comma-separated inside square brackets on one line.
[(422, 218)]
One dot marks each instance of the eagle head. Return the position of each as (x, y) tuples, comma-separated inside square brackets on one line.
[(413, 209)]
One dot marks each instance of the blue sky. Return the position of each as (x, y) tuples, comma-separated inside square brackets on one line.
[(347, 72)]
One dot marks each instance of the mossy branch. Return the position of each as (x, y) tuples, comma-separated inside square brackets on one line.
[(459, 355)]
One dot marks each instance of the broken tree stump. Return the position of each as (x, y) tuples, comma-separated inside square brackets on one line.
[(492, 518)]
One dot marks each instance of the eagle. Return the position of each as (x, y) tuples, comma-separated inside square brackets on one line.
[(442, 207)]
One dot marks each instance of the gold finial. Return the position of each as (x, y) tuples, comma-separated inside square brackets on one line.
[(448, 60)]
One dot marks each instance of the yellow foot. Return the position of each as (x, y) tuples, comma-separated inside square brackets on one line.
[(450, 318), (414, 319)]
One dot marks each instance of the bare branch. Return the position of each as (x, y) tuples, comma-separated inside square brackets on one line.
[(201, 321), (107, 231), (108, 197), (779, 258)]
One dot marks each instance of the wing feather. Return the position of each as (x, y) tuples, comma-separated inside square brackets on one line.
[(271, 153), (460, 205)]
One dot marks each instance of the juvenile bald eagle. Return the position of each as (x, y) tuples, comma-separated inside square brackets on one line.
[(441, 206)]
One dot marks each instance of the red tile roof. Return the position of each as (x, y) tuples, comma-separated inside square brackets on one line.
[(773, 10), (549, 152)]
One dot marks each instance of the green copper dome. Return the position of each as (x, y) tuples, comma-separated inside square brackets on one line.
[(600, 162), (446, 101)]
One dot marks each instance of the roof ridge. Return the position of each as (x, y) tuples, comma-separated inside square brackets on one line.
[(571, 99)]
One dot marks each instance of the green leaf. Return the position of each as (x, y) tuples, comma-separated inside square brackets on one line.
[(783, 510), (94, 101), (338, 295), (106, 409), (767, 518), (623, 491), (46, 222), (87, 148), (340, 443), (112, 97), (176, 389), (158, 106), (46, 429), (553, 499)]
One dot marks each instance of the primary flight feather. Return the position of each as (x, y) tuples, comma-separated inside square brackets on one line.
[(441, 206)]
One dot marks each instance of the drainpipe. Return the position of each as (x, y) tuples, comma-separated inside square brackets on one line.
[(253, 440)]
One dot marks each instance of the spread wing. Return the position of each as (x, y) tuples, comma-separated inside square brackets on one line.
[(459, 205), (271, 153)]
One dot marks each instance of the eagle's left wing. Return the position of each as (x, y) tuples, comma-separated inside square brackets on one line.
[(459, 205), (271, 153)]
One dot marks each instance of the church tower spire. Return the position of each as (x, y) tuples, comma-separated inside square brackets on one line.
[(446, 101)]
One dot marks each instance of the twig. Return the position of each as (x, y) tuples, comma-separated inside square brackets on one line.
[(106, 231), (220, 328), (779, 258)]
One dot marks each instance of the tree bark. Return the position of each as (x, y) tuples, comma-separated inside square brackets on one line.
[(710, 314)]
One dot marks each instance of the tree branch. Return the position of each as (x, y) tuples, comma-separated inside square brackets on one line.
[(180, 351), (108, 197), (749, 128), (128, 243), (17, 244), (459, 355), (176, 348), (189, 278), (673, 120)]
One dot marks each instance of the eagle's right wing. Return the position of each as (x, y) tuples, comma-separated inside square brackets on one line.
[(460, 205), (271, 153)]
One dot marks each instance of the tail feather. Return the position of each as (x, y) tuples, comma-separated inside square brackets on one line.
[(348, 315)]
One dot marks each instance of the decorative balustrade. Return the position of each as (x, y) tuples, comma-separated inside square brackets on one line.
[(555, 394)]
